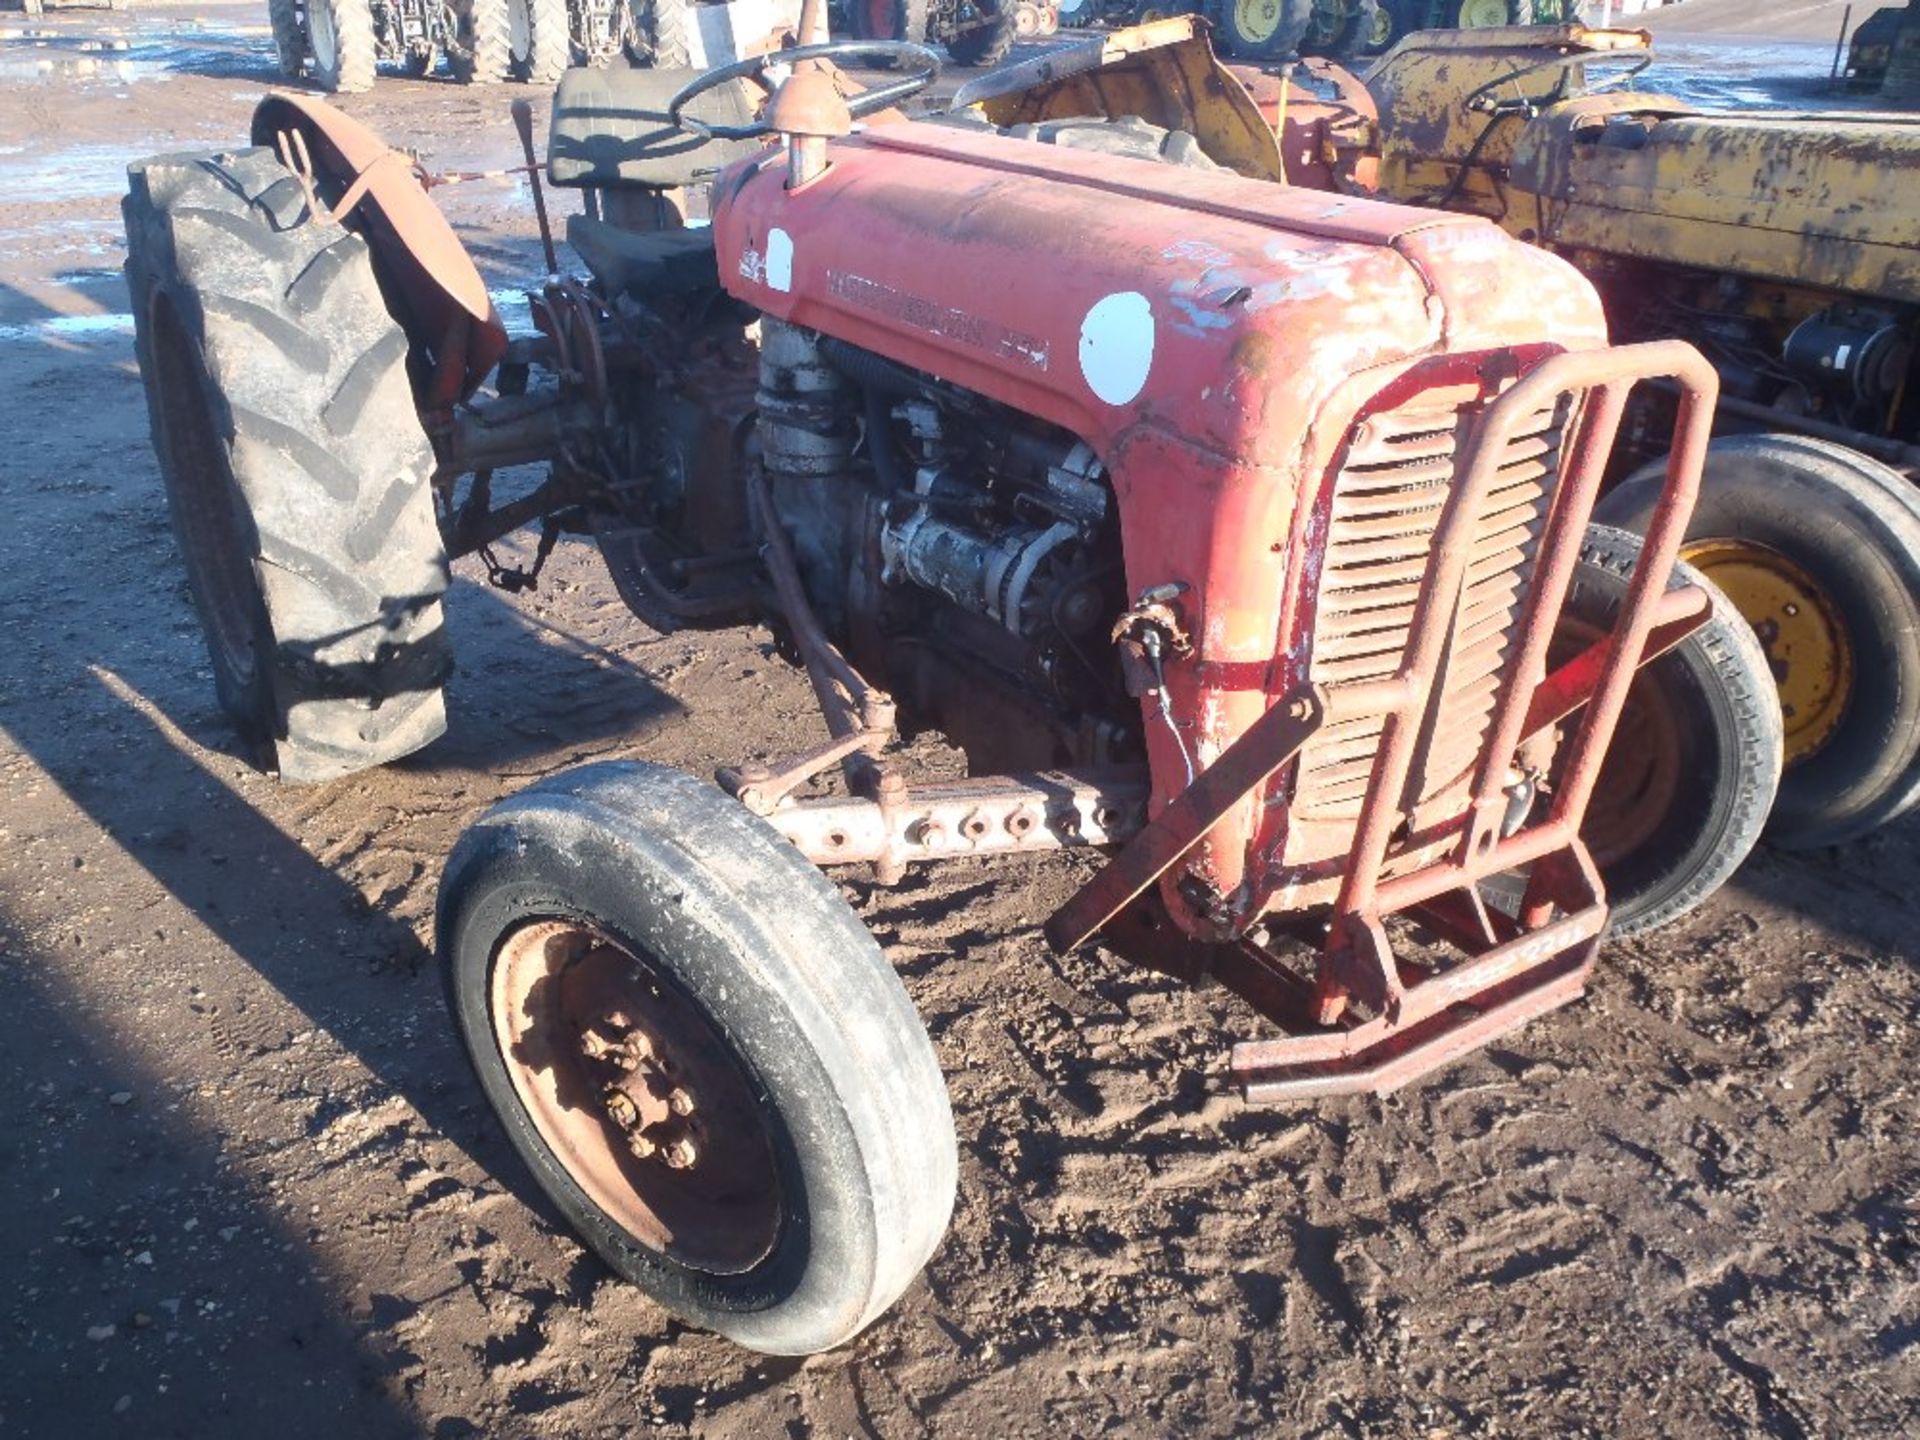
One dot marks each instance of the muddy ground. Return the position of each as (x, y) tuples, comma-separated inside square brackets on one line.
[(247, 1186)]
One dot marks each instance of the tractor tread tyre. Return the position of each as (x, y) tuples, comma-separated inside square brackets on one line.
[(1289, 30), (660, 31), (908, 20), (1717, 687), (1126, 135), (481, 50), (1853, 526), (356, 48), (988, 44), (549, 46), (289, 37), (765, 947), (295, 464)]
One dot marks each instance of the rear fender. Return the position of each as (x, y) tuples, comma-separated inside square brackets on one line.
[(430, 281)]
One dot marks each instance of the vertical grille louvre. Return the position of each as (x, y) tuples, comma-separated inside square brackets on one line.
[(1387, 502)]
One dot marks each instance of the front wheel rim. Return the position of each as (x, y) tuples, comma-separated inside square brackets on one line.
[(1483, 14), (635, 1094)]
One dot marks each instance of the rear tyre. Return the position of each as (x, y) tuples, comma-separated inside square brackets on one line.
[(289, 38), (479, 51), (345, 56), (660, 34), (700, 1053), (990, 37), (1819, 547), (1686, 785), (1262, 29), (296, 468), (538, 46)]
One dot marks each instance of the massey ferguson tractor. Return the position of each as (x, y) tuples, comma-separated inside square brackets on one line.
[(1233, 546)]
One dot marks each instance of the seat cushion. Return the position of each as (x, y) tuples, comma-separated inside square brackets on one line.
[(645, 263), (610, 129)]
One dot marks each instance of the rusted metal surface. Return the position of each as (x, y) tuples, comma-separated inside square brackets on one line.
[(1328, 127), (991, 815), (1267, 744), (431, 275), (634, 1094), (1249, 323), (1428, 830)]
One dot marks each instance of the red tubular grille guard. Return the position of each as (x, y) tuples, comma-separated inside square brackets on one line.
[(1518, 969)]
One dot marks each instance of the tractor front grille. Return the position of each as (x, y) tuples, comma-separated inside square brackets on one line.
[(1388, 498)]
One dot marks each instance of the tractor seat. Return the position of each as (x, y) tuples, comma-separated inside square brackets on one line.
[(610, 129), (645, 263)]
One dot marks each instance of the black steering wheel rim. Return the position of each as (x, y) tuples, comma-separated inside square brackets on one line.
[(865, 103)]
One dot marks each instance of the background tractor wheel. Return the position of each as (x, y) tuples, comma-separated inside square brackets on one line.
[(1687, 783), (989, 39), (295, 464), (340, 34), (1391, 21), (1262, 29), (700, 1053), (479, 51), (289, 38), (538, 46), (1487, 14), (1819, 547), (660, 34)]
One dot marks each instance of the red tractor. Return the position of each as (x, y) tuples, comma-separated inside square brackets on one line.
[(1231, 542)]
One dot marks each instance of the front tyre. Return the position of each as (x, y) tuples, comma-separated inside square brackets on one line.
[(700, 1053)]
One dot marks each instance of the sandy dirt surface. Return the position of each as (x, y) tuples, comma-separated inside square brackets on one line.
[(248, 1187)]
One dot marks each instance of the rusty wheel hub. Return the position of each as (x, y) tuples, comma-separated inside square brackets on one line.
[(636, 1094)]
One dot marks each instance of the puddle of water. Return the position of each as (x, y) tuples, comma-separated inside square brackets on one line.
[(72, 172), (147, 48), (69, 327)]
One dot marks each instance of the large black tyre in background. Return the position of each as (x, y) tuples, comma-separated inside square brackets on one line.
[(700, 1053), (660, 34), (987, 34), (289, 37), (341, 39), (1691, 774), (1819, 547), (480, 47), (538, 46), (296, 468), (1261, 29)]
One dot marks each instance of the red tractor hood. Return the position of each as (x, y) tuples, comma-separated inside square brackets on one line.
[(1213, 338)]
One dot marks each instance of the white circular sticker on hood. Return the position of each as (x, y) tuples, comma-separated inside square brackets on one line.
[(1116, 346)]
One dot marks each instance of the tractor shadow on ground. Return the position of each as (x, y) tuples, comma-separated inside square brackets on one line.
[(129, 1173)]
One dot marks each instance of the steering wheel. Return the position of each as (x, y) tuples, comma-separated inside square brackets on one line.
[(754, 68)]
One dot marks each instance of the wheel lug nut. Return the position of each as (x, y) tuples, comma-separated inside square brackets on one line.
[(680, 1102), (641, 1146), (681, 1154), (621, 1107)]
